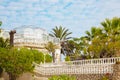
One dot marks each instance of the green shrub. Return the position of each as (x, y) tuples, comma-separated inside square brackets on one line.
[(105, 78), (63, 77), (67, 58)]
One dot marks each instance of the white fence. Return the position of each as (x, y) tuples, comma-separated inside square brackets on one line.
[(92, 66)]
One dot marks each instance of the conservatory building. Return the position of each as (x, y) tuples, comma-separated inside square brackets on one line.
[(34, 38)]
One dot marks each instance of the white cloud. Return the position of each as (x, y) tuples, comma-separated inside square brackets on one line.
[(77, 15), (2, 8), (54, 1), (5, 13), (29, 1)]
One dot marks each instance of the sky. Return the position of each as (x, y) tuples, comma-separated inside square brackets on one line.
[(75, 15)]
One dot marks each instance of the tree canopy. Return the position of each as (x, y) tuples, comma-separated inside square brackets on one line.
[(99, 42), (60, 32), (18, 61), (51, 47)]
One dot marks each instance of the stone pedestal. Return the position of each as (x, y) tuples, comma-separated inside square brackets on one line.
[(116, 72)]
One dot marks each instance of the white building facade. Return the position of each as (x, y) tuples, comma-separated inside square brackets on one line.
[(35, 37)]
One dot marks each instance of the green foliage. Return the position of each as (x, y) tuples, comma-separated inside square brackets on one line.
[(105, 78), (48, 58), (18, 61), (63, 77), (38, 56), (104, 41), (67, 58), (63, 34), (99, 42), (4, 43), (0, 23), (51, 48), (60, 32)]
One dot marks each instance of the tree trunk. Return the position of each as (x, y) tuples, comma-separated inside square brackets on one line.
[(12, 37), (1, 71), (53, 56), (12, 77)]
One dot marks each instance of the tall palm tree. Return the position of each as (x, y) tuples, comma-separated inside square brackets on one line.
[(95, 32), (111, 28), (60, 32), (105, 42), (51, 47), (63, 34)]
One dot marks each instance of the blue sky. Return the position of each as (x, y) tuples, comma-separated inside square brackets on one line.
[(76, 15)]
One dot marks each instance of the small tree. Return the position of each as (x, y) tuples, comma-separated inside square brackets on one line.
[(16, 62), (51, 48), (39, 57)]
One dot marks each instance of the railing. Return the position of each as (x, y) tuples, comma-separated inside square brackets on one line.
[(33, 42), (28, 44), (36, 40), (112, 60), (90, 69), (92, 66)]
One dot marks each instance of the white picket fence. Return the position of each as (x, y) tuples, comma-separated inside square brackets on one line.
[(91, 66)]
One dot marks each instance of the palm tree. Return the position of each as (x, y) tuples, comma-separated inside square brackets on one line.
[(95, 32), (51, 47), (105, 42), (4, 43), (111, 29), (60, 32)]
